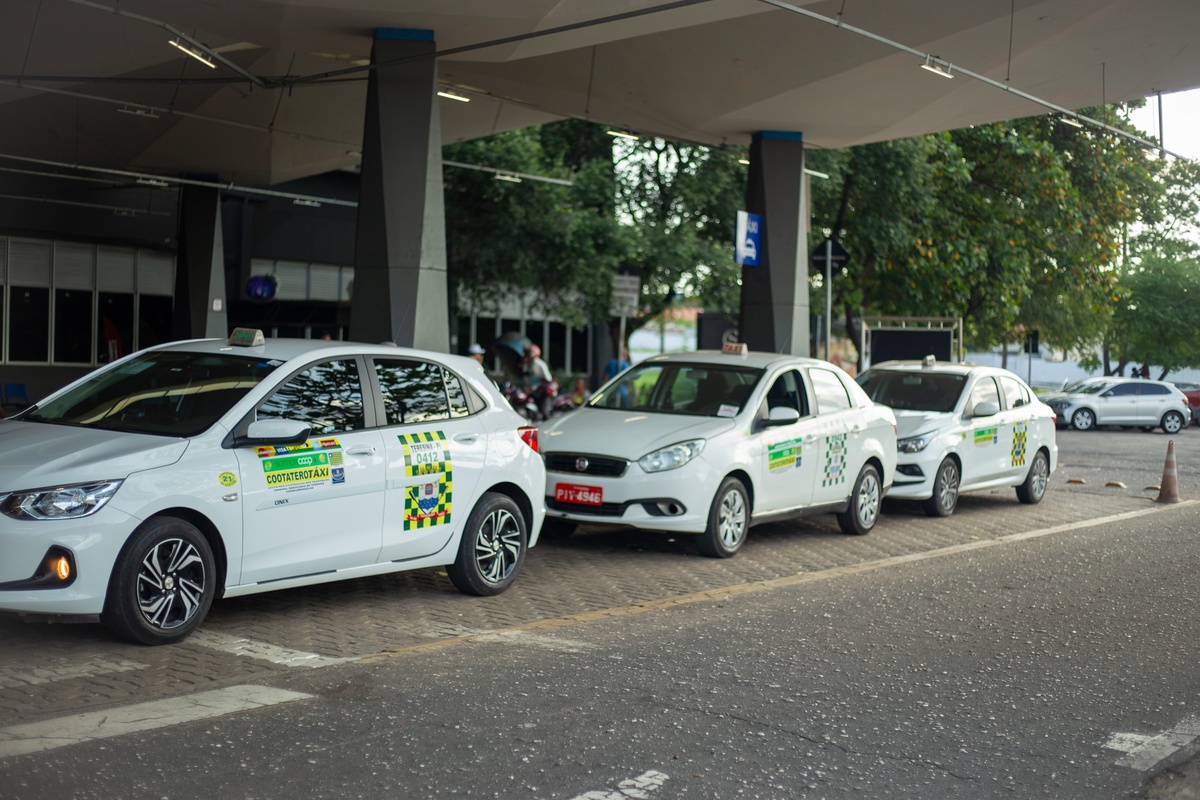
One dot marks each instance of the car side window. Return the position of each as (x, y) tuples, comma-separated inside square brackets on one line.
[(415, 391), (459, 404), (1123, 390), (831, 394), (984, 391), (1154, 388), (328, 396), (1014, 393), (787, 392)]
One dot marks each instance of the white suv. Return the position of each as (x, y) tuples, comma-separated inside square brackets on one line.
[(1124, 401)]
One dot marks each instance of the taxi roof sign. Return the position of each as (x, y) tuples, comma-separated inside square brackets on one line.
[(735, 348), (247, 337)]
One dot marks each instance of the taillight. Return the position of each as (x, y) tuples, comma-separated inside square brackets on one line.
[(529, 436)]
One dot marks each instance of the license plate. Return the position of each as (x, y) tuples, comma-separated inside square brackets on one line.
[(580, 495)]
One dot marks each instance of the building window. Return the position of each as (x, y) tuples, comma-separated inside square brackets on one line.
[(72, 326), (114, 327), (28, 324)]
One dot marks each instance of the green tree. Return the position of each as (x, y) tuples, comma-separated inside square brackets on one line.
[(1159, 315)]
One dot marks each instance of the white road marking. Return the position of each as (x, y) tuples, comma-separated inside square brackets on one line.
[(262, 651), (63, 670), (1153, 749), (37, 737), (518, 636), (638, 788)]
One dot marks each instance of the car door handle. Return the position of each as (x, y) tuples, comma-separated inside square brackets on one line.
[(466, 438), (362, 450)]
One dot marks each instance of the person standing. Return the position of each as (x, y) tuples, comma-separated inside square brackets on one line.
[(615, 368), (476, 352), (539, 378)]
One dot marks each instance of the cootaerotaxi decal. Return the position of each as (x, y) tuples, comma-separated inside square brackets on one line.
[(297, 467), (835, 460), (785, 455), (985, 436), (1020, 439), (427, 455)]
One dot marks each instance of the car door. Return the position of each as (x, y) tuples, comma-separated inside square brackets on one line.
[(1016, 429), (1118, 405), (839, 438), (788, 456), (317, 506), (984, 456), (1153, 400), (436, 450)]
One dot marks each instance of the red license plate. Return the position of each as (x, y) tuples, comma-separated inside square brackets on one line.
[(580, 495)]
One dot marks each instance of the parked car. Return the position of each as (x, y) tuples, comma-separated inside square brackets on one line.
[(1131, 402), (1192, 392), (179, 474), (713, 442), (962, 427)]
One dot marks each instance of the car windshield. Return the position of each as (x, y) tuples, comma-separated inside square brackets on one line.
[(707, 390), (1091, 388), (913, 391), (168, 393)]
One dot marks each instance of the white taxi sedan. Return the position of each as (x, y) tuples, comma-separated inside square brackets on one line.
[(963, 427), (713, 442), (201, 469)]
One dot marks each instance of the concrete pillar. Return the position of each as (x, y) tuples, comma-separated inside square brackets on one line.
[(774, 308), (200, 302), (400, 292)]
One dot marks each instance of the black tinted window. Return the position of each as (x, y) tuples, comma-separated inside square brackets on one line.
[(1154, 388), (1123, 389), (788, 392), (454, 393), (414, 391), (913, 391), (327, 396)]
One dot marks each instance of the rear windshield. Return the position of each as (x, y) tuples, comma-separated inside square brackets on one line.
[(913, 391), (161, 392), (705, 390)]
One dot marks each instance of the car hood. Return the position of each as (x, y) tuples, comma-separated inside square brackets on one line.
[(625, 434), (914, 423), (34, 454)]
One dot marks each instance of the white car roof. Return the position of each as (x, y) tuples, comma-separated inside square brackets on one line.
[(292, 349), (946, 367), (754, 360)]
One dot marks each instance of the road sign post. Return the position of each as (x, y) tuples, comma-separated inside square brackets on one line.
[(828, 253)]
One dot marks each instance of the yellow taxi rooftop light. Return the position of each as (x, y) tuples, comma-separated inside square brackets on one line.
[(247, 337), (735, 348)]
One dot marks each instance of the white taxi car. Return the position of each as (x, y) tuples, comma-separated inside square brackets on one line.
[(963, 427), (713, 442), (194, 470)]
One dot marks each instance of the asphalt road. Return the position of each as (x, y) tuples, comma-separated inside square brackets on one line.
[(1058, 662)]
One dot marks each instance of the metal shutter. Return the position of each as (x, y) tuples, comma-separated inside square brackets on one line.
[(74, 266)]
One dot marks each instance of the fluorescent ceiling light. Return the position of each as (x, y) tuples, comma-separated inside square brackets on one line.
[(743, 161), (300, 201), (1074, 123), (500, 176), (200, 56), (452, 96), (937, 67), (137, 112), (623, 134), (152, 182)]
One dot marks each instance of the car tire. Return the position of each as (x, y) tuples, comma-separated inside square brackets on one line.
[(1172, 422), (1083, 419), (492, 548), (728, 521), (163, 583), (865, 501), (558, 528), (1033, 489), (945, 490)]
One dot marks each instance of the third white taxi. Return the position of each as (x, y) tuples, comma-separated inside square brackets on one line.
[(712, 442), (964, 427)]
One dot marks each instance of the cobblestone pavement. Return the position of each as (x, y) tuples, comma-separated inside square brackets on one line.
[(52, 670)]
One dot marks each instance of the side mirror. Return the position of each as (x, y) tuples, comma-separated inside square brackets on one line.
[(781, 415), (986, 410), (274, 431)]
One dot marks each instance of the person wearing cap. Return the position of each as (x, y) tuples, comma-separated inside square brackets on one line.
[(476, 352)]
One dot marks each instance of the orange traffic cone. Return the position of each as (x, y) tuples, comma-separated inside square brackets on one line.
[(1169, 488)]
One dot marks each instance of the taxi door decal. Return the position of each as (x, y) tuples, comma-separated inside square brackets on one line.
[(835, 460), (427, 455), (1020, 437), (784, 456)]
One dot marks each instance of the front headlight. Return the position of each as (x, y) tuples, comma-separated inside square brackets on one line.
[(63, 502), (913, 444), (671, 457)]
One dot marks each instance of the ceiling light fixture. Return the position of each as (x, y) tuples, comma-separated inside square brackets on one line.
[(199, 55), (937, 67), (452, 96), (301, 201), (137, 112), (743, 161), (623, 134), (500, 176), (153, 182), (1074, 123)]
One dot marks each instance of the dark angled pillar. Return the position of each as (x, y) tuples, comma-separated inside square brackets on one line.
[(200, 267), (400, 250), (774, 310)]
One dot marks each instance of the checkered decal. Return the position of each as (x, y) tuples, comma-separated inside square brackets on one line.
[(1020, 437), (835, 460), (427, 457)]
